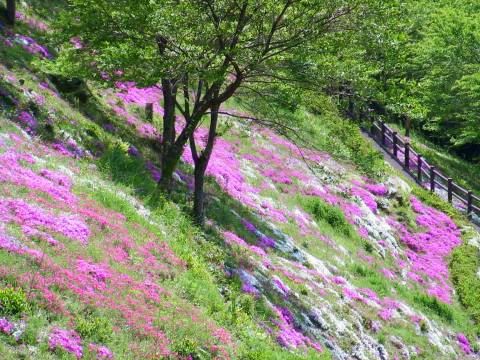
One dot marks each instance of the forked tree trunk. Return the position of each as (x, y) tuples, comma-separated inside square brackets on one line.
[(11, 12)]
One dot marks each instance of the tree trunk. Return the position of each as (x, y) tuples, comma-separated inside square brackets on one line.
[(407, 124), (11, 12), (201, 164), (199, 195), (168, 162), (149, 112)]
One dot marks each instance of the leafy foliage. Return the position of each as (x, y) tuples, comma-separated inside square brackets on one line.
[(12, 301), (330, 214)]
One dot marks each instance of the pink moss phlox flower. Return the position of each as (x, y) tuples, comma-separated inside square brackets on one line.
[(267, 242), (428, 249), (377, 189), (376, 326), (415, 319), (464, 344), (27, 120), (77, 43), (34, 23), (57, 178), (6, 326), (390, 303), (231, 238), (287, 335), (352, 294), (370, 294), (132, 150), (67, 340), (131, 94), (32, 232), (339, 280), (363, 232), (99, 272), (101, 352), (32, 46), (280, 286), (249, 226), (386, 314), (366, 197), (389, 274), (20, 212)]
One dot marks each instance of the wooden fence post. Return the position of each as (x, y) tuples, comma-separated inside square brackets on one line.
[(419, 168), (469, 202), (383, 133), (432, 178), (149, 112), (395, 146), (450, 190), (407, 157), (11, 12)]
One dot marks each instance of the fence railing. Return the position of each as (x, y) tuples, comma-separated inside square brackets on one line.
[(425, 174)]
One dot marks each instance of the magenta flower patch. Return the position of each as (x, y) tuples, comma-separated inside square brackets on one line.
[(6, 326), (101, 352), (67, 340)]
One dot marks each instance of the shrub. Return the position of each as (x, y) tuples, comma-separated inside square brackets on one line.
[(12, 301), (96, 329), (431, 303), (188, 347), (463, 265), (329, 214)]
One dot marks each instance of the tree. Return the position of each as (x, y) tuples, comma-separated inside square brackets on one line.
[(11, 12), (205, 48)]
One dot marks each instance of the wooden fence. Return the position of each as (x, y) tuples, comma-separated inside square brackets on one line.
[(426, 175)]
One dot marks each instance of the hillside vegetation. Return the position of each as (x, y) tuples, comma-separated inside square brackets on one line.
[(309, 246)]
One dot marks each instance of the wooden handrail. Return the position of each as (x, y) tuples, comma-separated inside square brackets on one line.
[(419, 168)]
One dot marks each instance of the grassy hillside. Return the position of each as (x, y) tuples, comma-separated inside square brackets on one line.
[(302, 257)]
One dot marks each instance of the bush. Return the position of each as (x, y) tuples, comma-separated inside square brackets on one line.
[(463, 267), (330, 214), (12, 301), (431, 303), (96, 329)]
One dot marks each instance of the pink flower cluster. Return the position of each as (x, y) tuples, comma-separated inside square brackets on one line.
[(32, 46), (67, 340), (281, 287), (28, 121), (287, 335), (31, 216), (429, 248), (101, 352), (131, 94), (6, 326), (377, 189), (233, 239), (464, 344), (366, 197), (33, 23)]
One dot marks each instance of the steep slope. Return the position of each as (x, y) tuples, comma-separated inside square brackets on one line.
[(301, 257)]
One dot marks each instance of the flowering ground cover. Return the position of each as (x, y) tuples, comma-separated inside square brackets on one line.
[(301, 257)]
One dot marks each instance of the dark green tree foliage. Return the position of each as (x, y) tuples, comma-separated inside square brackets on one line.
[(418, 65)]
